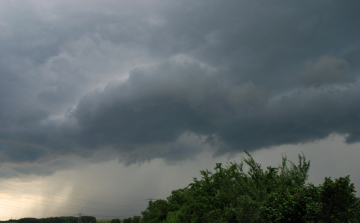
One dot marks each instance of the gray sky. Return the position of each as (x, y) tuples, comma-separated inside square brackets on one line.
[(115, 102)]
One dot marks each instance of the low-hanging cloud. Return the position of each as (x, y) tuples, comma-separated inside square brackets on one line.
[(173, 80), (328, 70)]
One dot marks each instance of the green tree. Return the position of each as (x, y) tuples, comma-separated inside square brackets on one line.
[(115, 220), (339, 203), (276, 194), (136, 219), (156, 211)]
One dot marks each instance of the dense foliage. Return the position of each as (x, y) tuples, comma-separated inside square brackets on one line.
[(277, 194), (116, 220), (135, 219)]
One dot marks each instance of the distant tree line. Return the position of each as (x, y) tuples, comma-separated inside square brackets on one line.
[(84, 219), (277, 194)]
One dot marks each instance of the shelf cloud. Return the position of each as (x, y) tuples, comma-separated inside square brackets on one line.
[(142, 80)]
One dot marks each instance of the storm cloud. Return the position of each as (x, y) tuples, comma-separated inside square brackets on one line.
[(159, 79)]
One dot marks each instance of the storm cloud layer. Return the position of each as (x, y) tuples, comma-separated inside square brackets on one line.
[(148, 79)]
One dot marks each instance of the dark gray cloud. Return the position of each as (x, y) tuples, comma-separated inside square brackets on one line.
[(238, 117), (328, 70), (170, 80), (160, 105)]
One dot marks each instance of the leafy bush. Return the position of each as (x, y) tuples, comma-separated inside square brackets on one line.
[(277, 194), (115, 220)]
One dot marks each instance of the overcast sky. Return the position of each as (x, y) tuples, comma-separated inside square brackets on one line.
[(104, 104)]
